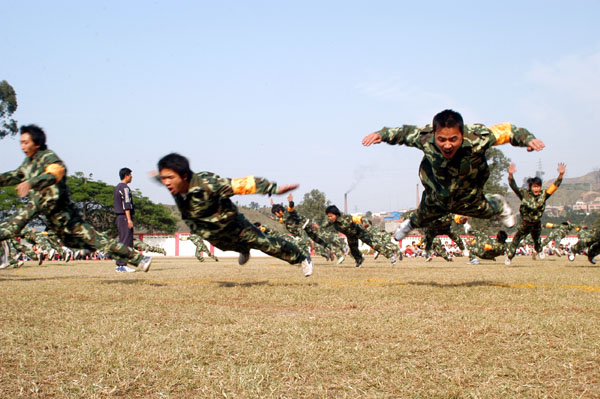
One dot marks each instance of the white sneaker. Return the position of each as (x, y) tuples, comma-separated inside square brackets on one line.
[(129, 269), (542, 255), (467, 228), (393, 259), (429, 258), (145, 264), (403, 230), (19, 263), (307, 266), (507, 217), (507, 261), (359, 263), (244, 258), (51, 254), (376, 255), (571, 256), (466, 252), (474, 262), (120, 269), (68, 256), (305, 224), (4, 255), (340, 259)]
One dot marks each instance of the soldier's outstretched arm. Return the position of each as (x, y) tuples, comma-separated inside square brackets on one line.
[(554, 186), (405, 135), (11, 178), (517, 136), (511, 181), (249, 185)]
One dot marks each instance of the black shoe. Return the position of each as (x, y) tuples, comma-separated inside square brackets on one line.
[(244, 258)]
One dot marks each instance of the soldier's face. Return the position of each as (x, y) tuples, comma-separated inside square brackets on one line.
[(448, 140), (173, 181), (332, 217), (28, 146), (536, 189)]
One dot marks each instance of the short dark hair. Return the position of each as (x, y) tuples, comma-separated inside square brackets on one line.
[(178, 163), (448, 118), (37, 135), (333, 209), (257, 224), (534, 180), (124, 172), (502, 236), (276, 208)]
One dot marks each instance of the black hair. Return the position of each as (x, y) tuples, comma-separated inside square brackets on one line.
[(448, 118), (333, 209), (276, 208), (257, 224), (565, 223), (534, 180), (37, 135), (502, 236), (178, 163), (124, 172)]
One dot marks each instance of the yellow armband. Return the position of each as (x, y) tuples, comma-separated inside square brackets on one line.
[(502, 132), (357, 219), (551, 189), (55, 170), (244, 185), (488, 247), (549, 225)]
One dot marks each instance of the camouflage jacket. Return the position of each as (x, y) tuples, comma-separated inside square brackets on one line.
[(207, 208), (559, 230), (532, 207), (46, 173), (293, 220), (460, 179), (349, 225), (445, 225), (484, 246)]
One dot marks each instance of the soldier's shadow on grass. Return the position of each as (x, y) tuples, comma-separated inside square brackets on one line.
[(456, 285), (124, 282), (231, 284)]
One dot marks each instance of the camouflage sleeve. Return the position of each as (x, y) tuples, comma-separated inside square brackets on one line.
[(553, 187), (513, 185), (11, 178), (244, 185), (507, 133), (407, 135), (53, 171)]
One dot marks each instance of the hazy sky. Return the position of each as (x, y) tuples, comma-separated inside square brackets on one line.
[(287, 90)]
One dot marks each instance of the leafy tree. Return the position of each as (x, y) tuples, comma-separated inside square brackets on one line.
[(95, 200), (313, 206), (498, 164), (8, 105), (254, 205)]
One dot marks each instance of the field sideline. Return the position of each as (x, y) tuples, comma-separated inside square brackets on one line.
[(217, 329)]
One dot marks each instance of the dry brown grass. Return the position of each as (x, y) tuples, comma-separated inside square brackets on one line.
[(190, 329)]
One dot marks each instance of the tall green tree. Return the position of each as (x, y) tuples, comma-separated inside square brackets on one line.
[(95, 200), (8, 105), (313, 206)]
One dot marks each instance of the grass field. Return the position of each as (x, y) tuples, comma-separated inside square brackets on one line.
[(218, 330)]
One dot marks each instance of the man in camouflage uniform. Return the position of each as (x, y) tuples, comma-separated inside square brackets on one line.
[(15, 251), (204, 202), (200, 247), (587, 238), (300, 227), (454, 168), (484, 247), (42, 176), (533, 203), (381, 237), (353, 228), (559, 231)]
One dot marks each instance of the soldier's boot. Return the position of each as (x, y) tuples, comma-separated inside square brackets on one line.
[(507, 217), (244, 258)]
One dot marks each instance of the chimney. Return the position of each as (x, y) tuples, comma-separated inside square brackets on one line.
[(345, 202)]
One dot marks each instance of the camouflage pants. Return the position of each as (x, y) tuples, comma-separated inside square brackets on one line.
[(481, 205), (367, 239), (533, 228), (430, 235), (585, 241), (556, 236), (142, 246), (201, 247), (66, 222), (382, 239), (240, 235)]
